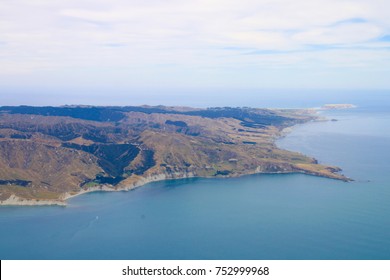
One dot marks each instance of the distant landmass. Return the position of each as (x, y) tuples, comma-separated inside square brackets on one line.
[(48, 154), (338, 106)]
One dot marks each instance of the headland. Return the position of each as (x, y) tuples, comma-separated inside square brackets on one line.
[(49, 154)]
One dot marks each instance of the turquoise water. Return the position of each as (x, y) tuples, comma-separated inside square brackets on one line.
[(290, 216)]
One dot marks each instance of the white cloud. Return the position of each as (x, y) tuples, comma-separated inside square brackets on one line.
[(340, 34), (107, 34)]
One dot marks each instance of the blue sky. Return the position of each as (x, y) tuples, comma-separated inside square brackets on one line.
[(153, 44)]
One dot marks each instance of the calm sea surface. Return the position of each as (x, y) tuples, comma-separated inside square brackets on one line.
[(291, 216)]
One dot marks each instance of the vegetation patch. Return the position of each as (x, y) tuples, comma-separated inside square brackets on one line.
[(176, 123), (222, 172), (20, 136), (112, 158), (100, 114), (21, 183)]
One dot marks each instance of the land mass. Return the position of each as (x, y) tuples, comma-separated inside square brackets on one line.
[(48, 154), (338, 106)]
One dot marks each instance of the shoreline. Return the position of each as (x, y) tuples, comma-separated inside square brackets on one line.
[(17, 201), (14, 200)]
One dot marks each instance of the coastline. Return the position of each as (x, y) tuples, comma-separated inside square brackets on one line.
[(17, 201), (14, 200)]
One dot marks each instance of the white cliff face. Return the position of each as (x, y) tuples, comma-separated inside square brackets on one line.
[(15, 200), (160, 177)]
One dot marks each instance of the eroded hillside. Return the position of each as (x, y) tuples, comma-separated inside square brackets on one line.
[(50, 153)]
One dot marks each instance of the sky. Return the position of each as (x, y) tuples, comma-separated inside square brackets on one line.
[(128, 45)]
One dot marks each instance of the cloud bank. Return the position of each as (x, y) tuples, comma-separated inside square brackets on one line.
[(254, 43)]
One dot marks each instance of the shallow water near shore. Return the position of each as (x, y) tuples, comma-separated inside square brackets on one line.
[(265, 216)]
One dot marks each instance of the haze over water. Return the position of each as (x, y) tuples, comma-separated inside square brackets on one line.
[(274, 216)]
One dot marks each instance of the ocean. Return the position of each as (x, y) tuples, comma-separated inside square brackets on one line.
[(264, 216)]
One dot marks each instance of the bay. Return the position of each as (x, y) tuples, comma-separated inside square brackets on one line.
[(267, 216)]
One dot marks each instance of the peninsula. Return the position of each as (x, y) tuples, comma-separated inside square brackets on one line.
[(48, 154), (338, 106)]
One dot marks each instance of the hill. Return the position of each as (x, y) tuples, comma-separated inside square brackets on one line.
[(48, 154)]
